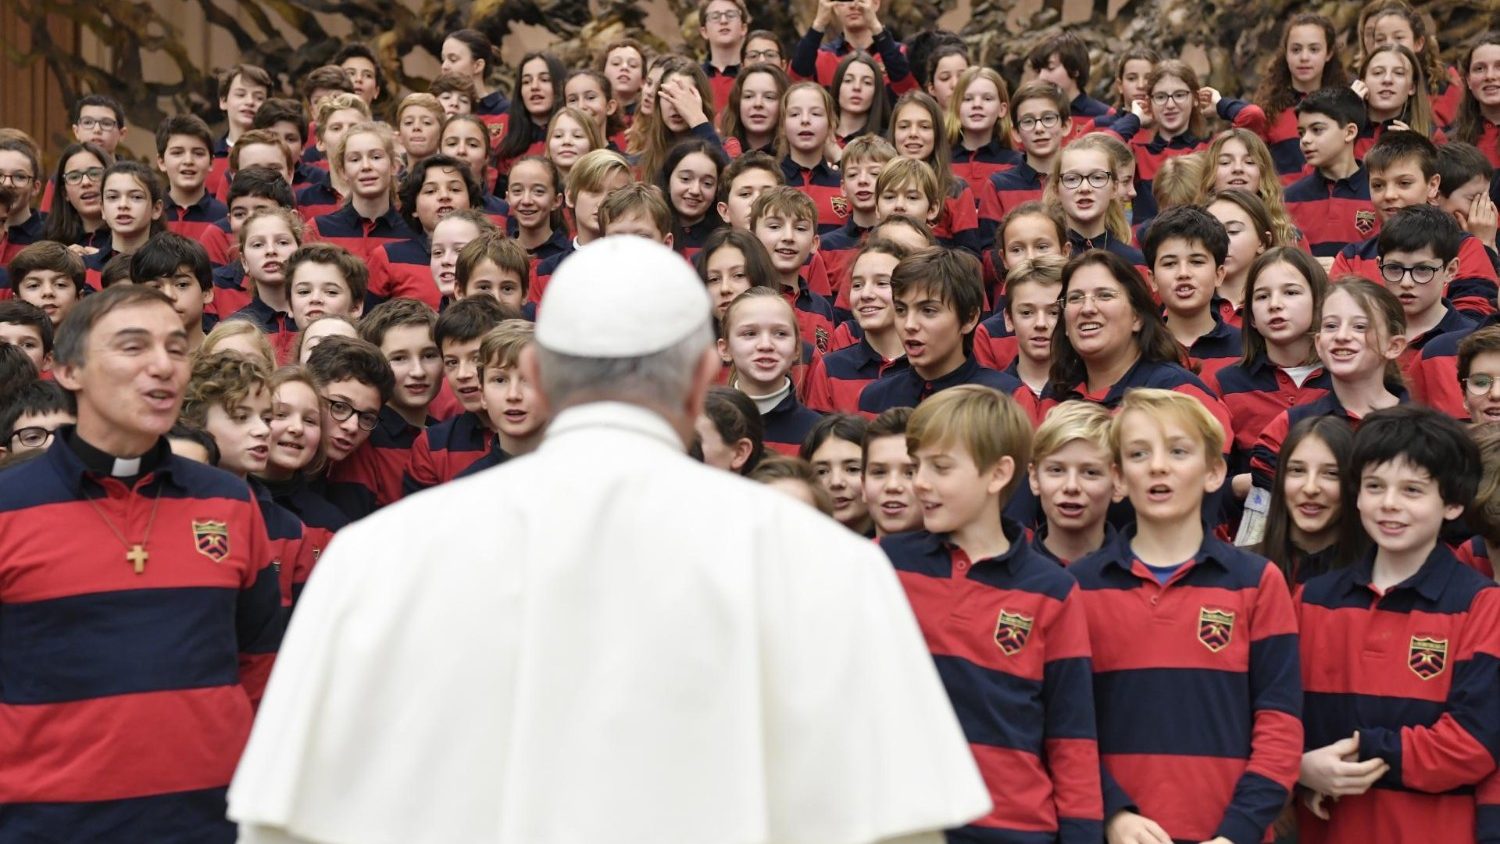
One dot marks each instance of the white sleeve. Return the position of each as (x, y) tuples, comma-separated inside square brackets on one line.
[(257, 834)]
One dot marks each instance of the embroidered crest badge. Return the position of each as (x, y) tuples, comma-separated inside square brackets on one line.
[(1011, 632), (1427, 657), (211, 539), (1215, 628), (1364, 222), (840, 205)]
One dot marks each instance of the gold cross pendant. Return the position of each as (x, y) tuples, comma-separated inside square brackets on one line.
[(138, 555)]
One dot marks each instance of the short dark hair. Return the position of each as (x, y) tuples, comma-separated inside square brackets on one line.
[(16, 369), (1425, 438), (253, 74), (395, 313), (35, 398), (185, 430), (75, 111), (1189, 223), (73, 332), (345, 358), (1418, 227), (19, 312), (114, 271), (46, 255), (1070, 50), (890, 423), (952, 275), (735, 417), (262, 182), (356, 274), (183, 124), (1458, 164), (164, 253), (1484, 340), (1340, 103), (281, 109), (324, 78), (843, 426), (470, 318), (411, 186), (1398, 144)]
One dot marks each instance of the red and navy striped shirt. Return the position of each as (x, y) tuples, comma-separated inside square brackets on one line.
[(1414, 669), (1267, 451), (231, 291), (1256, 393), (1144, 373), (812, 59), (1332, 214), (192, 221), (278, 327), (995, 345), (402, 269), (380, 462), (904, 387), (1197, 688), (787, 424), (315, 200), (835, 381), (824, 186), (1220, 347), (1088, 115), (1434, 374), (1016, 186), (976, 166), (320, 521), (362, 237), (1010, 639), (126, 698), (445, 449), (19, 237)]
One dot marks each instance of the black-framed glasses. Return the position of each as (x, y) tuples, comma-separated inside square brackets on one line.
[(105, 123), (729, 16), (1049, 120), (342, 410), (93, 174), (1097, 179), (1420, 273), (33, 436), (17, 179), (1179, 97), (1478, 385), (768, 56)]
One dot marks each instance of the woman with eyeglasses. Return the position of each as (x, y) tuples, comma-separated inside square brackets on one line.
[(1177, 104), (79, 220)]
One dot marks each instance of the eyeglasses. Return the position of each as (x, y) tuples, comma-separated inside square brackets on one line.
[(342, 410), (1421, 273), (1179, 97), (727, 17), (1050, 120), (1076, 298), (753, 56), (1478, 385), (1097, 179), (33, 436), (93, 174), (17, 179), (105, 123)]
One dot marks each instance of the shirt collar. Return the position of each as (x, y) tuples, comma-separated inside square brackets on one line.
[(1120, 555), (77, 459), (1018, 546), (1429, 581)]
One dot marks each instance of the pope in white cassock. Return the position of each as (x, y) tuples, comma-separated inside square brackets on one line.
[(606, 642)]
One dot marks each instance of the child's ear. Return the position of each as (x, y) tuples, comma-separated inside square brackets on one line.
[(357, 310), (1219, 274), (723, 209), (1432, 188), (1452, 269), (1351, 132), (1217, 470), (1033, 480), (1395, 346), (1117, 484), (47, 362), (1452, 511), (157, 208), (934, 212), (666, 240), (1001, 474), (723, 351), (611, 106), (161, 164), (1009, 326)]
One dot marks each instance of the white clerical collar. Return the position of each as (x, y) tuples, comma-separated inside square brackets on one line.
[(126, 467)]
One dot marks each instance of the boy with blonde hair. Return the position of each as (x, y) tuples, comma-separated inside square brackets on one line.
[(1004, 623), (1178, 616), (1074, 478)]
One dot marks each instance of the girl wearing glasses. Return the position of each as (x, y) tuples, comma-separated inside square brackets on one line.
[(79, 220), (1084, 185), (1361, 333), (1176, 105), (1284, 291)]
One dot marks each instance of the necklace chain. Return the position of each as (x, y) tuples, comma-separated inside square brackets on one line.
[(135, 553)]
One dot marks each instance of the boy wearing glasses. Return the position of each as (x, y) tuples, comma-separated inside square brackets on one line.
[(1476, 391), (1042, 121), (33, 415), (1418, 249), (356, 382), (723, 24), (96, 119), (1403, 169)]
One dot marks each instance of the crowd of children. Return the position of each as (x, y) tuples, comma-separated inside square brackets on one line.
[(1175, 416)]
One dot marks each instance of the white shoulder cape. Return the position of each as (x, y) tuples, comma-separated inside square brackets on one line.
[(603, 642)]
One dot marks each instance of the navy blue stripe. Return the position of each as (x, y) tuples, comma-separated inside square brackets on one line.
[(185, 817), (1256, 802), (994, 708), (258, 620), (1329, 717), (1276, 665), (991, 835), (112, 643), (1066, 686), (1130, 716)]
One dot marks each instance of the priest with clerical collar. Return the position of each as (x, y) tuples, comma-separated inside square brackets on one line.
[(139, 607), (605, 640)]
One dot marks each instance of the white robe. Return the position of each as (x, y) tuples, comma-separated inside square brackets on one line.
[(604, 641)]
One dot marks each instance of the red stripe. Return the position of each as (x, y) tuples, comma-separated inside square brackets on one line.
[(1155, 627), (1158, 783), (123, 746)]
